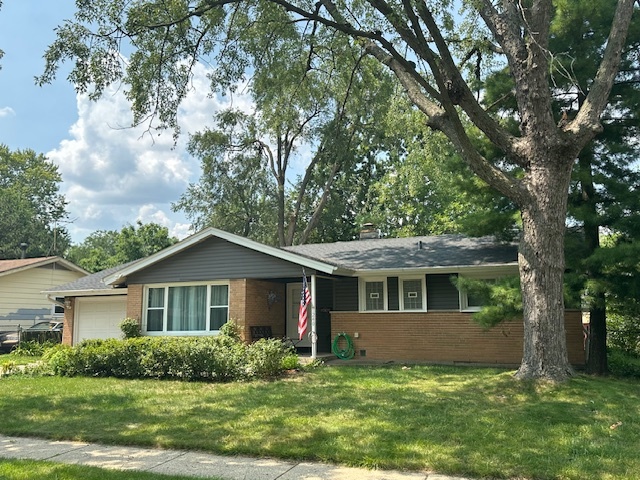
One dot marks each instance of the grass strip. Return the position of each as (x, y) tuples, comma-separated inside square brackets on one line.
[(43, 470)]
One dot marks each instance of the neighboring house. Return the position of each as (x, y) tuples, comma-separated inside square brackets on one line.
[(394, 297), (22, 282)]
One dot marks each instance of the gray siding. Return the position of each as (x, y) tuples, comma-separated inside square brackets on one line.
[(324, 304), (441, 293), (216, 259), (345, 294), (393, 293)]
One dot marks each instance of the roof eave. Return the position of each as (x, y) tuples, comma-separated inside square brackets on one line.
[(87, 293), (438, 269)]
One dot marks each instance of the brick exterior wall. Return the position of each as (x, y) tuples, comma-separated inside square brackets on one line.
[(447, 337), (249, 306), (237, 301), (67, 330), (135, 301)]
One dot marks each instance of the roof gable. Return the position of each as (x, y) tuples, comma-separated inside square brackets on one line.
[(216, 259), (208, 233), (8, 267)]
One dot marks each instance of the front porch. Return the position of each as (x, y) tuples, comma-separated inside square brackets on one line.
[(275, 304)]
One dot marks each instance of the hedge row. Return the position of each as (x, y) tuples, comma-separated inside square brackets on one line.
[(221, 358)]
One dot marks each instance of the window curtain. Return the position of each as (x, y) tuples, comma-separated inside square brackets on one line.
[(187, 308)]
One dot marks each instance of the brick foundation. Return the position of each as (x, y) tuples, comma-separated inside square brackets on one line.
[(448, 337)]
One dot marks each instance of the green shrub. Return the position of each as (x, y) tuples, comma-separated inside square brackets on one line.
[(58, 359), (264, 357), (33, 348), (130, 328), (623, 333), (623, 363), (220, 358), (291, 361), (231, 330)]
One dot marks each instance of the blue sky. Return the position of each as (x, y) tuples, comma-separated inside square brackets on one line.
[(39, 117), (111, 176)]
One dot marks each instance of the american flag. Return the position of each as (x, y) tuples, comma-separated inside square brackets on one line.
[(303, 314)]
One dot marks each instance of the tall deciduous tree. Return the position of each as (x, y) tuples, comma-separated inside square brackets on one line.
[(603, 191), (32, 211), (235, 192), (428, 50), (109, 248), (315, 116)]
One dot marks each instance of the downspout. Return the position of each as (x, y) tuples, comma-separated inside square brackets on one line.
[(53, 300)]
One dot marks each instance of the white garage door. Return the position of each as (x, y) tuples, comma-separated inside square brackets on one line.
[(99, 317)]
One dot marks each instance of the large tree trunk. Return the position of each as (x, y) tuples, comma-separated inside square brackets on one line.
[(541, 263), (597, 348)]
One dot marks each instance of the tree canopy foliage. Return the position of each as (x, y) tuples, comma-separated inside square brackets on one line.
[(269, 174), (108, 248), (606, 178), (441, 59), (427, 189), (32, 211)]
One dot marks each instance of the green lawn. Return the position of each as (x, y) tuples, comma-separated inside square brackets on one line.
[(475, 422), (18, 359), (30, 469)]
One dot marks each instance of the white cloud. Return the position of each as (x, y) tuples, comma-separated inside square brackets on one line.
[(150, 213), (7, 112), (113, 175)]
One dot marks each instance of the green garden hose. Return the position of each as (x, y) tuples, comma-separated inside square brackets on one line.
[(346, 353)]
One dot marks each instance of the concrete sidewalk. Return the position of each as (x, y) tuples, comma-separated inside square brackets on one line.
[(195, 464)]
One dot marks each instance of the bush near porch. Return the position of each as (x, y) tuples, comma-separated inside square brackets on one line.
[(221, 358)]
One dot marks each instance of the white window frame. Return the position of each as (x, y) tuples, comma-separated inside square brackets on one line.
[(423, 281), (362, 289), (464, 298), (165, 308), (55, 314)]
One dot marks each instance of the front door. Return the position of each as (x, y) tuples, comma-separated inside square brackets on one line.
[(293, 308)]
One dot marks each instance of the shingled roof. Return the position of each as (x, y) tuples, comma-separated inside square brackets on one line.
[(91, 283), (344, 258), (412, 252)]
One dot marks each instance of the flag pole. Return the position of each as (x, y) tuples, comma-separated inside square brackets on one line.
[(314, 335)]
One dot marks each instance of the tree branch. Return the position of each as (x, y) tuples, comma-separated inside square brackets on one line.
[(587, 124)]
